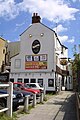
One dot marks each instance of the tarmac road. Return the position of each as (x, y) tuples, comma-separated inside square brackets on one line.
[(59, 107)]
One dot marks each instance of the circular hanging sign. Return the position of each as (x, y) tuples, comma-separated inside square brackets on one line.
[(63, 62), (36, 46)]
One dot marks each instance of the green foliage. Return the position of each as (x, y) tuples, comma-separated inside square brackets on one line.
[(76, 62), (3, 116), (76, 71)]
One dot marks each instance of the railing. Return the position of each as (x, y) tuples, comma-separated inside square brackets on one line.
[(9, 96)]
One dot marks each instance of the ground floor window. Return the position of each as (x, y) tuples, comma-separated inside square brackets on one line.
[(26, 80), (33, 80), (50, 82), (12, 79), (40, 81), (62, 80), (69, 80), (19, 80)]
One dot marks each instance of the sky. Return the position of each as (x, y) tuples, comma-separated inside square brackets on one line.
[(63, 16)]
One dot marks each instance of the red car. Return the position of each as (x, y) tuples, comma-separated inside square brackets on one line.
[(25, 87)]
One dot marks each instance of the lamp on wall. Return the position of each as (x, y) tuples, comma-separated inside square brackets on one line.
[(42, 34), (30, 35)]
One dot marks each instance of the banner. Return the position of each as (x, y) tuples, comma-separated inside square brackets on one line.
[(36, 61)]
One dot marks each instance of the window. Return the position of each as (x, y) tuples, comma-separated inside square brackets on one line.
[(56, 59), (17, 63), (33, 80), (62, 50), (19, 80), (12, 79), (3, 51), (62, 80), (40, 81), (50, 82), (26, 80), (69, 80)]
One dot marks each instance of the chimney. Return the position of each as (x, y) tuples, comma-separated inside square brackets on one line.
[(35, 18)]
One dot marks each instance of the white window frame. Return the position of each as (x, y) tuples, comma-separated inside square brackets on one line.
[(17, 63)]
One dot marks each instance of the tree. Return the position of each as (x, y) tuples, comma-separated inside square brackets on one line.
[(76, 69)]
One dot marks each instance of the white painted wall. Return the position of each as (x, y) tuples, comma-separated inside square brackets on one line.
[(47, 47)]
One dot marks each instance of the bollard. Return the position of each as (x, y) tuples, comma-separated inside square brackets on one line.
[(34, 100), (44, 94), (26, 108), (41, 98)]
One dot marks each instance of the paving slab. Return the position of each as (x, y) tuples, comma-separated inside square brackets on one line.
[(60, 107)]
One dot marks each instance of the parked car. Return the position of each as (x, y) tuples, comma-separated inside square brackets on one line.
[(35, 86), (25, 93), (25, 87), (17, 99)]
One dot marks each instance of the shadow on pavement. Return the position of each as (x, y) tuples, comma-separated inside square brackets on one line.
[(68, 107)]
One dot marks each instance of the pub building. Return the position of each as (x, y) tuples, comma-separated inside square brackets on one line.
[(40, 58)]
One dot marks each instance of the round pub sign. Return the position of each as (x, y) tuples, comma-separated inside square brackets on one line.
[(63, 62), (36, 46)]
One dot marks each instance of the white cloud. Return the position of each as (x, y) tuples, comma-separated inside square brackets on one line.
[(8, 9), (60, 28), (71, 40), (75, 1), (50, 9), (18, 25), (53, 10), (63, 38)]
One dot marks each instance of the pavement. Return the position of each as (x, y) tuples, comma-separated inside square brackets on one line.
[(59, 107)]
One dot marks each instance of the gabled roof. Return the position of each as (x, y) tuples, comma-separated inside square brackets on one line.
[(49, 29), (2, 39), (25, 30)]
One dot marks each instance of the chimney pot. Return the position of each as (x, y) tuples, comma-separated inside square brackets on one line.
[(35, 18), (36, 14), (33, 14)]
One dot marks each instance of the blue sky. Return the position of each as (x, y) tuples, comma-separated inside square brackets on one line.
[(15, 17)]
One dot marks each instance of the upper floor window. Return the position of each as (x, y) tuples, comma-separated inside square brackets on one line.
[(17, 63), (56, 59), (62, 49), (3, 51)]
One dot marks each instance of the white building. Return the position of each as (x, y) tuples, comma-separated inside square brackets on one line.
[(39, 57)]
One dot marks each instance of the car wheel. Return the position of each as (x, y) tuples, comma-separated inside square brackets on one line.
[(2, 103)]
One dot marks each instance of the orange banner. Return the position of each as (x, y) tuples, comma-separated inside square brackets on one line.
[(35, 65)]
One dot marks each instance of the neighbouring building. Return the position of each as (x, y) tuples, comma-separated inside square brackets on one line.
[(12, 49), (2, 53), (41, 58), (4, 74)]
